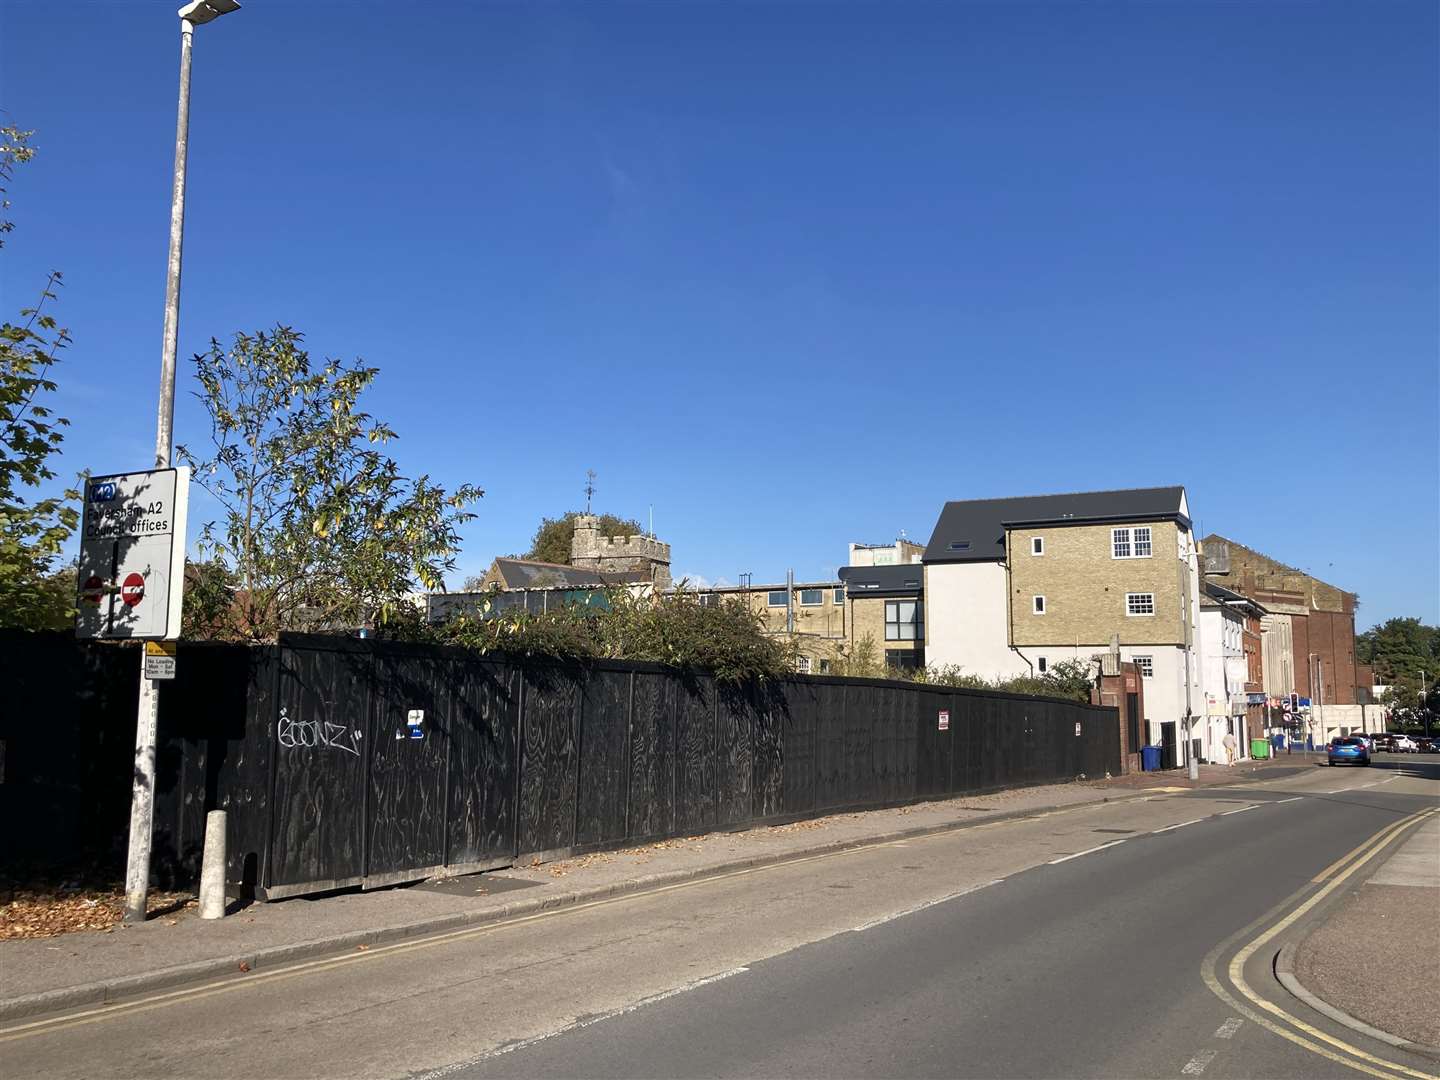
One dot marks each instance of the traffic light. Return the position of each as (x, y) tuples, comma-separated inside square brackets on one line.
[(1294, 701)]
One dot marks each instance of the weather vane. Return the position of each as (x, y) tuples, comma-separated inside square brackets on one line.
[(589, 488)]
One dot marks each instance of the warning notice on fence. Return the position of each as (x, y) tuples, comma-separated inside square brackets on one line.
[(944, 719)]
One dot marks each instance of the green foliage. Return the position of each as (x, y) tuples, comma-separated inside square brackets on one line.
[(32, 529), (209, 602), (726, 639), (1069, 679), (1400, 648), (552, 539), (319, 529), (861, 660)]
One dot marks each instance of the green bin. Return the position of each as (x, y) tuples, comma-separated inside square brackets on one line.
[(1259, 748)]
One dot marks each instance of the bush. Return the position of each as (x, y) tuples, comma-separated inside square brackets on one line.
[(726, 639), (1069, 679)]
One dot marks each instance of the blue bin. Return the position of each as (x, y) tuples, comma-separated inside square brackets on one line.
[(1150, 758)]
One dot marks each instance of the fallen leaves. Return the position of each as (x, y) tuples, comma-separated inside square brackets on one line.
[(243, 966), (44, 913)]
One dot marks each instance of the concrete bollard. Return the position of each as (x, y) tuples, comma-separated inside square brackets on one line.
[(212, 867)]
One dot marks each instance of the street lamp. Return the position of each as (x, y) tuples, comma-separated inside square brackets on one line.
[(142, 799), (194, 14)]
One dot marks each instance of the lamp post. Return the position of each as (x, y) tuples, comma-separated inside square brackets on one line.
[(142, 801)]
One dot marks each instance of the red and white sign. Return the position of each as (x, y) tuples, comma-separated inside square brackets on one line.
[(944, 719), (133, 590), (93, 591)]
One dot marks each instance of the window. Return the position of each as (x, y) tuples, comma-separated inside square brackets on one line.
[(802, 665), (1037, 545), (777, 598), (839, 594), (812, 597), (824, 667), (904, 620), (1040, 665), (1140, 603), (1130, 543), (1037, 605), (959, 545), (903, 659), (1146, 664)]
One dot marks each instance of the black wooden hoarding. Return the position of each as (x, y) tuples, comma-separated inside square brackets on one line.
[(347, 762)]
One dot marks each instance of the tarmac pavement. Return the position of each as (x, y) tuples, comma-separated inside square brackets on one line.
[(1377, 958)]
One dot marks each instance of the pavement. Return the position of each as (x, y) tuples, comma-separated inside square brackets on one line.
[(1376, 959), (1083, 941), (43, 975)]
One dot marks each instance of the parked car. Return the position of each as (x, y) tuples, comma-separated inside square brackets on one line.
[(1403, 744), (1429, 746), (1381, 740), (1347, 751)]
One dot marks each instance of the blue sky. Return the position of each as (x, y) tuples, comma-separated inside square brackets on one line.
[(793, 273)]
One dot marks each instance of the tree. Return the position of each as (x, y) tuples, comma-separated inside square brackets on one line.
[(552, 539), (319, 528), (32, 529), (1399, 649)]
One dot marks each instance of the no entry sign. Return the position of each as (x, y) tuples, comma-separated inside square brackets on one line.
[(93, 590), (132, 555), (133, 590)]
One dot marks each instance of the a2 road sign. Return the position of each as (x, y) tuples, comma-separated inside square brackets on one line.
[(132, 555)]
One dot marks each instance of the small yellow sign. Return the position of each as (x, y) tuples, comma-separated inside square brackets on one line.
[(160, 659)]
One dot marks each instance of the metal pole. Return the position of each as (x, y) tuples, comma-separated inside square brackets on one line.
[(142, 795), (165, 421)]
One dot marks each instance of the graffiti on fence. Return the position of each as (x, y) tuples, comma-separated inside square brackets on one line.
[(317, 733)]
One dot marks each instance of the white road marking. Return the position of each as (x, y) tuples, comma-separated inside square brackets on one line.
[(1242, 809), (588, 1021), (1087, 851), (1293, 798), (1196, 1065), (1181, 825), (1228, 1029), (883, 919)]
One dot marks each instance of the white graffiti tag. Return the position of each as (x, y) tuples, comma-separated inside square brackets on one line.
[(315, 733)]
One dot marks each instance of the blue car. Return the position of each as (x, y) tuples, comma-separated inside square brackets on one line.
[(1350, 751)]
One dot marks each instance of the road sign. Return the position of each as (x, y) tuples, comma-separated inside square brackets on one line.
[(92, 591), (159, 659), (1077, 729), (944, 719), (132, 555), (133, 591)]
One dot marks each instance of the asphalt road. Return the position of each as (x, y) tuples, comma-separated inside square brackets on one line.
[(1021, 948)]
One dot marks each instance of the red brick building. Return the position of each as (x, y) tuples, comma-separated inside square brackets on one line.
[(1319, 618)]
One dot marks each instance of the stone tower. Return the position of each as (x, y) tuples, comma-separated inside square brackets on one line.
[(619, 554)]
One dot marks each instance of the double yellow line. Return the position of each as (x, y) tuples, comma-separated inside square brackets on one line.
[(1336, 874)]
